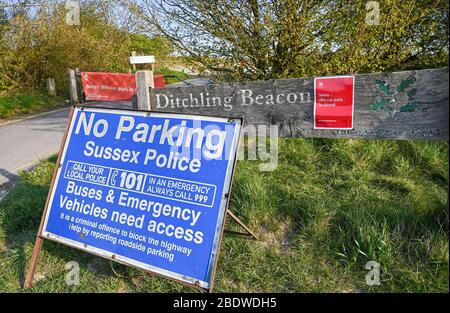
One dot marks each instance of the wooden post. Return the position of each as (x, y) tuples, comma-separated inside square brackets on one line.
[(133, 53), (144, 81), (393, 105), (51, 87), (33, 263), (238, 221), (73, 94), (79, 85)]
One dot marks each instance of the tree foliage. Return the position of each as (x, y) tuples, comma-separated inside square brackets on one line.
[(264, 39), (37, 43), (158, 46)]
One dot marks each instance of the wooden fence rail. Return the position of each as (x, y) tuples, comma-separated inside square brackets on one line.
[(400, 105)]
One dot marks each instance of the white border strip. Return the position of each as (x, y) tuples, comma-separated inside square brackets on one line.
[(141, 192), (224, 200), (353, 101)]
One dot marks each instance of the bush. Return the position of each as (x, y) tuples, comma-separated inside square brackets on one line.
[(25, 102)]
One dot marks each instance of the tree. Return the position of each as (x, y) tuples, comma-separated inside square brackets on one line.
[(157, 45), (264, 39)]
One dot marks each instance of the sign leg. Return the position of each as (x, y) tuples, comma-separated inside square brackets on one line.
[(238, 221), (33, 263)]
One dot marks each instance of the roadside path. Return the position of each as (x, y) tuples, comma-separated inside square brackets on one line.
[(25, 142)]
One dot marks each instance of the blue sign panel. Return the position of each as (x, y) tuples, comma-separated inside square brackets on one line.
[(145, 189)]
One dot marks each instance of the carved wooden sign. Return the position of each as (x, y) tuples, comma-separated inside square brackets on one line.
[(398, 105)]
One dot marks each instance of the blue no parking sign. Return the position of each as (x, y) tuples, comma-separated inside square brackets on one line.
[(145, 189)]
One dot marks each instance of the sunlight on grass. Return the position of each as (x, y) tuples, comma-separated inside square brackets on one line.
[(26, 102), (329, 207)]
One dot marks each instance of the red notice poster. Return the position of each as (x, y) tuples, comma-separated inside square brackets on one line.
[(112, 86), (334, 99)]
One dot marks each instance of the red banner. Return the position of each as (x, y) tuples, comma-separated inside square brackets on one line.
[(112, 86), (333, 107)]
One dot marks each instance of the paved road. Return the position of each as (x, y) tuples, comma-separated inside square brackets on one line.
[(23, 143)]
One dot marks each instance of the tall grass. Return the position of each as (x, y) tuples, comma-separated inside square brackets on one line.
[(329, 207), (26, 102)]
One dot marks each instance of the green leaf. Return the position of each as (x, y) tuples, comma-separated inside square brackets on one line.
[(412, 93), (379, 105), (410, 107), (405, 83), (384, 87)]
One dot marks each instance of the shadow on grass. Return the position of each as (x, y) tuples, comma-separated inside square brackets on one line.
[(391, 208), (389, 218), (20, 215), (21, 211), (8, 175)]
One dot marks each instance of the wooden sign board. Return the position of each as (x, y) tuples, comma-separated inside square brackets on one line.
[(142, 59), (401, 105)]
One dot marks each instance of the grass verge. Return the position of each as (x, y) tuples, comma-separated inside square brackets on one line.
[(26, 102), (329, 207)]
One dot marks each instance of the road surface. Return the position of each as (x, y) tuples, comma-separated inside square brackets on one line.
[(25, 142)]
